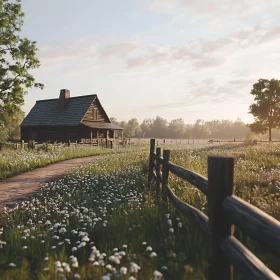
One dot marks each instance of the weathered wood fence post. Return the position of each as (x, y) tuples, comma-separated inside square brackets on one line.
[(158, 153), (31, 144), (165, 174), (220, 182), (22, 144), (151, 161)]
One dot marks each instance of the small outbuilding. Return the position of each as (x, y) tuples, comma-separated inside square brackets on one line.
[(80, 118)]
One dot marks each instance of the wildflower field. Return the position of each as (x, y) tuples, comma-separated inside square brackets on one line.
[(13, 162), (102, 222)]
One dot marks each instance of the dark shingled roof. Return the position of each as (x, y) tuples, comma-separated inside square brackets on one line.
[(46, 113)]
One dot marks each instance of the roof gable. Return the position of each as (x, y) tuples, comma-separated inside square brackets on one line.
[(46, 113), (101, 113)]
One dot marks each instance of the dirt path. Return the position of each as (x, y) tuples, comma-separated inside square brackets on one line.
[(18, 188)]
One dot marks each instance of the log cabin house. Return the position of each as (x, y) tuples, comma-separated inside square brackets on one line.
[(80, 119)]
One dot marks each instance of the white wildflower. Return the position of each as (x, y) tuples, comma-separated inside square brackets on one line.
[(123, 270), (157, 275), (75, 264), (134, 267), (57, 264), (85, 238), (114, 260), (149, 249), (153, 255)]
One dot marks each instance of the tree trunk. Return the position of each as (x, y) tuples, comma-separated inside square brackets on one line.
[(269, 133)]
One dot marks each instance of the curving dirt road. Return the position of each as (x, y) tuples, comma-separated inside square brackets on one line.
[(20, 187)]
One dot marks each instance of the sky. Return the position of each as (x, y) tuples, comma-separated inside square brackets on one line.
[(143, 58)]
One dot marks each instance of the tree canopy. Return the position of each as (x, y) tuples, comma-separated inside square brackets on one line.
[(17, 58), (266, 106)]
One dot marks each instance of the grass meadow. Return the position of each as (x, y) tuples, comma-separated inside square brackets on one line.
[(13, 162), (101, 221)]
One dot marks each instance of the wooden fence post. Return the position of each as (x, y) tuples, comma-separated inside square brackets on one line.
[(220, 183), (22, 144), (30, 144), (158, 153), (165, 174), (151, 163)]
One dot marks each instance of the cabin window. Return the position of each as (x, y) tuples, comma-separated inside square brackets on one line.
[(95, 114)]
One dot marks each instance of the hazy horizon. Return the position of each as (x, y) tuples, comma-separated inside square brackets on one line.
[(143, 58)]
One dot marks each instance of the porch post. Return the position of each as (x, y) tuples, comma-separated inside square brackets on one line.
[(97, 136)]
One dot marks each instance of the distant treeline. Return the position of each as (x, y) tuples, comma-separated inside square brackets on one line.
[(178, 129)]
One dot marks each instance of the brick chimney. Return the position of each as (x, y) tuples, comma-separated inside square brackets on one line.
[(63, 99)]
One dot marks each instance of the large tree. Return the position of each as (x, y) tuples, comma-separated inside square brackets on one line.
[(177, 128), (17, 58), (132, 128), (146, 128), (266, 106)]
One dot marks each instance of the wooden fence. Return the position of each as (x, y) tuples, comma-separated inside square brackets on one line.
[(101, 143), (224, 211)]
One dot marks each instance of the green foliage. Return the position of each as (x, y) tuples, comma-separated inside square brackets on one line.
[(3, 133), (12, 123), (266, 106), (250, 140), (17, 58)]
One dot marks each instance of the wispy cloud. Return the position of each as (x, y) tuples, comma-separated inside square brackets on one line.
[(198, 54)]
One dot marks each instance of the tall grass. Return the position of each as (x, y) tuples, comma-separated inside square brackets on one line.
[(13, 162), (101, 220)]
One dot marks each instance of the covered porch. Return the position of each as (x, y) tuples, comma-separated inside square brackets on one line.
[(98, 132)]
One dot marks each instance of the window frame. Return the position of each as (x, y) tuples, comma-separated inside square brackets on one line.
[(95, 114)]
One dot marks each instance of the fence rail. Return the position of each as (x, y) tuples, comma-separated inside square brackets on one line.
[(224, 211)]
